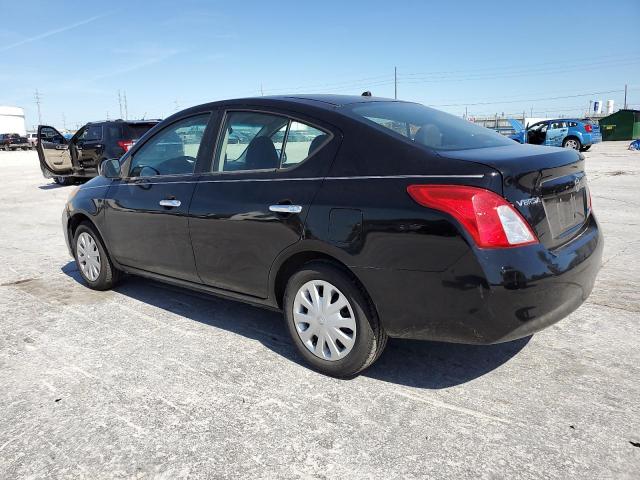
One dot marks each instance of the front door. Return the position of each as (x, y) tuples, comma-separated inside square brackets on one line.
[(53, 152), (253, 203), (146, 214)]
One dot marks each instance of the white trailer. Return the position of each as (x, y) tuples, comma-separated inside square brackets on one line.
[(12, 120)]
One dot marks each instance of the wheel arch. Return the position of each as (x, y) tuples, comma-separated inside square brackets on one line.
[(293, 262), (572, 136)]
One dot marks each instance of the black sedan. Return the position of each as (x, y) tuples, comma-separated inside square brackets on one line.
[(361, 218)]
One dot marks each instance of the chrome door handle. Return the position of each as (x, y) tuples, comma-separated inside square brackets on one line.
[(170, 203), (285, 208)]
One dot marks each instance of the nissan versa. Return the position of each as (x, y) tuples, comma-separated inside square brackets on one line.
[(361, 218)]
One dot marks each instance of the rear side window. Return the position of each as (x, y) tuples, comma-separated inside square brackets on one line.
[(429, 127), (133, 131), (264, 141), (92, 133), (172, 151)]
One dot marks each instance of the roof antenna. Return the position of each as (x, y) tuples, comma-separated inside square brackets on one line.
[(366, 94)]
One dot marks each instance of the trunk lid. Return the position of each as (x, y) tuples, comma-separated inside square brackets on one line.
[(547, 185)]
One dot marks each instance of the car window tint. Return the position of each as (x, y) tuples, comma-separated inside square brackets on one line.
[(172, 151), (48, 134), (251, 141), (426, 126), (114, 132), (302, 141), (93, 132)]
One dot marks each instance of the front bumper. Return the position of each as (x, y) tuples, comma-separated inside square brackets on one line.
[(488, 296)]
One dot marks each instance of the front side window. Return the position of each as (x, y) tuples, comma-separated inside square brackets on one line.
[(264, 141), (429, 127), (172, 151)]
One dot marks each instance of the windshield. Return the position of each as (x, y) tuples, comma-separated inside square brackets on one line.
[(426, 126)]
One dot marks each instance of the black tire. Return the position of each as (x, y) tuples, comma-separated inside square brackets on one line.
[(370, 337), (572, 142), (64, 181), (585, 148), (109, 275)]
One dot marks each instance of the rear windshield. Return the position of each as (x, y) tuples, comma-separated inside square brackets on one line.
[(137, 130), (426, 126)]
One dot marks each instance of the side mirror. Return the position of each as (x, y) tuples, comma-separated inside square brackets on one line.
[(109, 168)]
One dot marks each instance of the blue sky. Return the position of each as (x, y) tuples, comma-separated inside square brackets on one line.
[(490, 57)]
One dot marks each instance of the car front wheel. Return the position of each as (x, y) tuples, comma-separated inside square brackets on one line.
[(92, 259), (572, 143), (331, 320)]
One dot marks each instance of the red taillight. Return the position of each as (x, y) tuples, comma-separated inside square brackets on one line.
[(588, 128), (125, 144), (489, 218)]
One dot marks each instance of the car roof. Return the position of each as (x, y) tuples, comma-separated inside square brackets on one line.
[(330, 99), (119, 120)]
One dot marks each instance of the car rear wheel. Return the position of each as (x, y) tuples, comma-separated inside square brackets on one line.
[(332, 321), (572, 143), (92, 259)]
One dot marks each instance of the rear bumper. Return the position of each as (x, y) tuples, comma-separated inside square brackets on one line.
[(591, 138), (488, 296)]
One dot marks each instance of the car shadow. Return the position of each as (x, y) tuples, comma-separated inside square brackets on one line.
[(422, 364), (50, 186)]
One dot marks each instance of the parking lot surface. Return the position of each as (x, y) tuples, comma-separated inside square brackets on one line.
[(151, 381)]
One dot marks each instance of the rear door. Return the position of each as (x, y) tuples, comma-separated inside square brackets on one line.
[(146, 210), (253, 202), (556, 133), (89, 146), (53, 152)]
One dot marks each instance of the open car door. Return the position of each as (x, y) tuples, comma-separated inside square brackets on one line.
[(53, 152)]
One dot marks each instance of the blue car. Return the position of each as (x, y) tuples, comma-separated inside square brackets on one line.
[(567, 133)]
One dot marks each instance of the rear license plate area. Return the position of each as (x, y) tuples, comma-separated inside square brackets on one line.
[(566, 211)]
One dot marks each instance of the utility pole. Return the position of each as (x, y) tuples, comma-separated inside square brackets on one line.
[(120, 103), (64, 121), (261, 91), (625, 96), (126, 110), (395, 82), (38, 99)]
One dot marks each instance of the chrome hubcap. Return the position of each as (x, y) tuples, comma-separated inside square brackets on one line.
[(571, 144), (88, 256), (324, 320)]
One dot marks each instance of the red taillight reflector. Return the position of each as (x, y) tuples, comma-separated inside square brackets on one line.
[(490, 220), (125, 144), (588, 128)]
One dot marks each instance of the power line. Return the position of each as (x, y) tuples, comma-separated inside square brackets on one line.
[(561, 64), (525, 99), (38, 100)]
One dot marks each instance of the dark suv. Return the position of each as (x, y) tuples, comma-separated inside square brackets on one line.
[(67, 160), (360, 218)]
